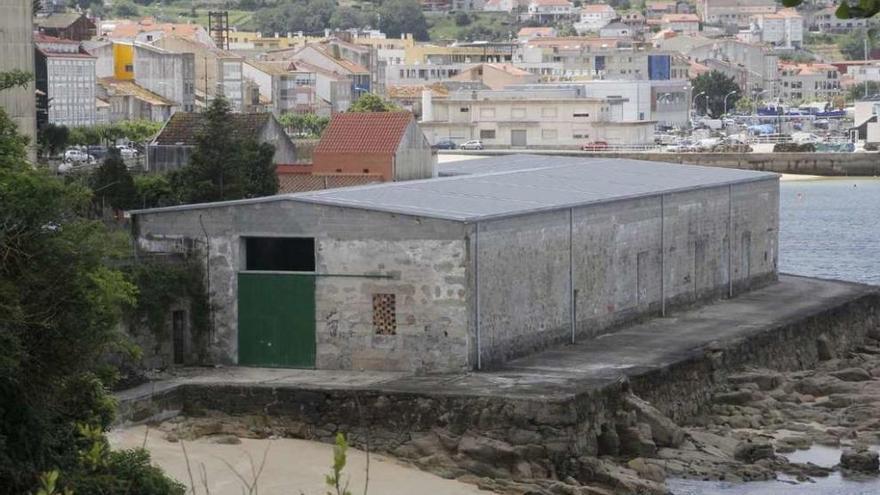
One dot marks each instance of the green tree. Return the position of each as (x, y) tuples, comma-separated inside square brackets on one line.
[(122, 8), (60, 304), (53, 138), (224, 164), (14, 78), (401, 17), (349, 17), (713, 87), (304, 124), (153, 190), (370, 102), (852, 45), (112, 184)]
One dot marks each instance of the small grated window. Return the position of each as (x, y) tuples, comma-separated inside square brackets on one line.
[(384, 314)]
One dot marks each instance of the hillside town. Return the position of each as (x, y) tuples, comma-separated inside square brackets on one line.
[(511, 247), (661, 75)]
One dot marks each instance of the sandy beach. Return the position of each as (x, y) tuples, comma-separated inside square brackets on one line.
[(293, 467)]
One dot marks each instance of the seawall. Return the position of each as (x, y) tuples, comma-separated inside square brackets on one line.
[(826, 164), (541, 417)]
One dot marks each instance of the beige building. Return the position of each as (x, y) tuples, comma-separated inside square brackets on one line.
[(554, 118), (17, 53), (733, 12), (496, 76), (809, 82)]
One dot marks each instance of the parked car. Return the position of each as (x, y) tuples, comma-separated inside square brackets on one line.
[(474, 144), (76, 155), (445, 144), (595, 146), (127, 151), (99, 152)]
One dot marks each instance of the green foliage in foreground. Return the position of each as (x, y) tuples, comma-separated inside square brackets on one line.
[(60, 304)]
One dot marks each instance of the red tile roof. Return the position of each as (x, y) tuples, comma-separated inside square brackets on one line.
[(373, 132)]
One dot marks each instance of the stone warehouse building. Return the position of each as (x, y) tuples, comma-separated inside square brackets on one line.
[(497, 259)]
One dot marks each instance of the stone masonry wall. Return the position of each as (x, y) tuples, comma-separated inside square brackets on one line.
[(507, 437), (367, 243), (616, 267), (428, 284)]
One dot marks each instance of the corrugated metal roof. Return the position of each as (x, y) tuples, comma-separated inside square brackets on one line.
[(514, 185)]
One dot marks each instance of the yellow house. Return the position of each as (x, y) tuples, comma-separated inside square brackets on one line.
[(123, 61)]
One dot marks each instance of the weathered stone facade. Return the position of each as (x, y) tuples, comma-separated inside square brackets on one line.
[(474, 294)]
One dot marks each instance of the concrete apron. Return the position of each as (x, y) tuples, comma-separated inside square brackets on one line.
[(538, 415)]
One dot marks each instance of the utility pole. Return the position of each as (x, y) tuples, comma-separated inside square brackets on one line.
[(866, 65)]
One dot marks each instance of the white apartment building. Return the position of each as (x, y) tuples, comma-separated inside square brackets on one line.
[(550, 10), (809, 82), (168, 74), (216, 71), (594, 17), (286, 88), (545, 118), (66, 74), (733, 12), (783, 29)]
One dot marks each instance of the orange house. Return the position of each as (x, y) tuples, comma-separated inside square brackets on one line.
[(388, 144)]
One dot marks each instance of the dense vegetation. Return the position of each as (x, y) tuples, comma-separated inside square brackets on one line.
[(710, 91), (60, 302), (225, 165)]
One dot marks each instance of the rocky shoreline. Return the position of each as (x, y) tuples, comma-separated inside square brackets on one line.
[(754, 417)]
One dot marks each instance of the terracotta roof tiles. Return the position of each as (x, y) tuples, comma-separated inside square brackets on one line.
[(373, 132), (183, 127)]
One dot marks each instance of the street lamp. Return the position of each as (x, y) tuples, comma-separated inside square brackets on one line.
[(725, 100)]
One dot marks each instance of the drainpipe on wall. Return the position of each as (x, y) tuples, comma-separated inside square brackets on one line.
[(571, 298), (662, 257), (477, 293), (730, 240)]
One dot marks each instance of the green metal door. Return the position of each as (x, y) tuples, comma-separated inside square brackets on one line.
[(276, 320)]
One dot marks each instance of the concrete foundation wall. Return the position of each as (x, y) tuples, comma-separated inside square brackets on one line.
[(358, 253), (603, 265)]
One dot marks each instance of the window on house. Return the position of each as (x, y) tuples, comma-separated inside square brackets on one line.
[(282, 254), (581, 115), (487, 133), (464, 109), (384, 314)]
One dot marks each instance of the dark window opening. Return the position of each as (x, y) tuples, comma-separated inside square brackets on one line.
[(178, 326), (384, 314), (281, 254)]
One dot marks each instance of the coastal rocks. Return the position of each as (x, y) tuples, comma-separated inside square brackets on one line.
[(860, 461), (664, 431), (765, 380), (753, 451), (852, 375)]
